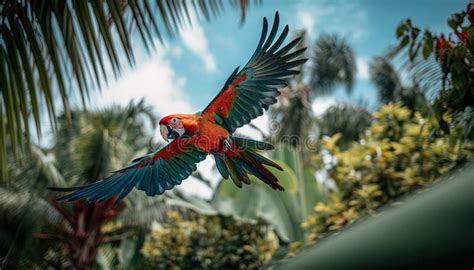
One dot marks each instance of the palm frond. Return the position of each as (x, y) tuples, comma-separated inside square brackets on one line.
[(292, 115), (347, 119), (52, 52), (427, 73), (385, 78), (98, 142), (425, 70), (334, 64), (21, 204), (390, 87)]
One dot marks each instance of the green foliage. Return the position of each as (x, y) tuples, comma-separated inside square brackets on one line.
[(91, 145), (397, 154), (345, 118), (391, 89), (334, 64), (107, 139), (283, 210), (48, 48), (309, 192), (434, 58), (208, 242)]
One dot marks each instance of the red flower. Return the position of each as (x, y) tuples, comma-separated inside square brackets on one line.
[(462, 36), (443, 45), (441, 42), (470, 12)]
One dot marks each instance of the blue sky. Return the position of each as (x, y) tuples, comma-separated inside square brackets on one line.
[(190, 70), (186, 74)]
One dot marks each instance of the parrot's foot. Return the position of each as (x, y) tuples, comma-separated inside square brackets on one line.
[(227, 143)]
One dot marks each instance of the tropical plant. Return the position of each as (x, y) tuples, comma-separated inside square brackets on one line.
[(444, 65), (107, 138), (285, 211), (391, 89), (22, 204), (386, 80), (208, 242), (292, 117), (347, 119), (94, 144), (332, 63), (47, 47), (398, 154)]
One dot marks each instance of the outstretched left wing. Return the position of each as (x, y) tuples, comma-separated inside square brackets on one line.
[(153, 173), (254, 88)]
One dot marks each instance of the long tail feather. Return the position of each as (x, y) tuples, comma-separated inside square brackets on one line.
[(247, 162), (261, 172)]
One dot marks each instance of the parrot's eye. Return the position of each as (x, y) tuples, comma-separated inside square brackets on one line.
[(174, 121)]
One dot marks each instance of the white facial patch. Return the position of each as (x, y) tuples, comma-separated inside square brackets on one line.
[(164, 131)]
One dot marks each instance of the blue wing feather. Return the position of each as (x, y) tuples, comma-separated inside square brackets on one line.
[(260, 78), (153, 176)]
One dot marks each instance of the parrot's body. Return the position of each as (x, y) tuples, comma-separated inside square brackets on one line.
[(244, 97)]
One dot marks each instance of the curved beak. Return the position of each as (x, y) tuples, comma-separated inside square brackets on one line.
[(164, 131), (169, 133)]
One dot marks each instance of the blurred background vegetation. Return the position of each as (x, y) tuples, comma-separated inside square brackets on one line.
[(340, 167)]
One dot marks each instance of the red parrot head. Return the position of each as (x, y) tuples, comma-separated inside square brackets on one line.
[(171, 127)]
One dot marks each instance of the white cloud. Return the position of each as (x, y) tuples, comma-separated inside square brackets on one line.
[(320, 105), (177, 52), (306, 19), (156, 81), (362, 68), (195, 41)]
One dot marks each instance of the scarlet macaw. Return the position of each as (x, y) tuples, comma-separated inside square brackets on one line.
[(244, 97)]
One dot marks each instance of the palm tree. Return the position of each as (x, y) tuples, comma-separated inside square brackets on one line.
[(347, 119), (23, 203), (86, 149), (390, 87), (54, 51), (332, 63)]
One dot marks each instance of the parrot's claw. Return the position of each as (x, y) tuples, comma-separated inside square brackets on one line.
[(227, 143)]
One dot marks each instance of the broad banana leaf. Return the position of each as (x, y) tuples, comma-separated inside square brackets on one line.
[(281, 209), (308, 191)]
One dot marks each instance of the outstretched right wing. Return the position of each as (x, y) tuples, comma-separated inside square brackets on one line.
[(254, 88), (153, 173)]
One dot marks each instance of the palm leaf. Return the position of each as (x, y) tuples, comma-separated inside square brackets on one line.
[(334, 64), (385, 78), (347, 119), (425, 69), (49, 47), (390, 87)]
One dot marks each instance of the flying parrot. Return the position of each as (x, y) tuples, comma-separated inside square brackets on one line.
[(245, 95)]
